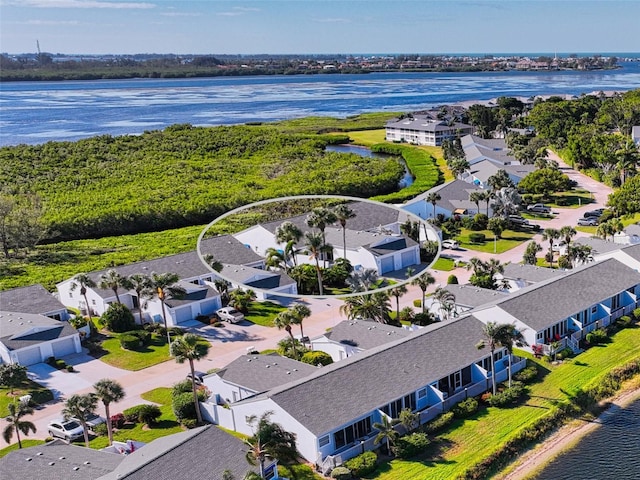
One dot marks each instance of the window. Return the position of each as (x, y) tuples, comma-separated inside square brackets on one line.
[(422, 393), (615, 302), (352, 433), (323, 441), (594, 309), (70, 294), (93, 302)]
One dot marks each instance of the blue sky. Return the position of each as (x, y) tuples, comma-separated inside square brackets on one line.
[(319, 26)]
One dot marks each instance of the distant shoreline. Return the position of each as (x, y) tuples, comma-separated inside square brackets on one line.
[(565, 439)]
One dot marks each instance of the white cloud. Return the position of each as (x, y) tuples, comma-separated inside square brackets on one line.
[(237, 11), (332, 20), (80, 4), (50, 22), (179, 14)]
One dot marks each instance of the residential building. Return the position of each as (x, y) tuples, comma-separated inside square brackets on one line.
[(33, 299), (424, 130), (521, 275), (454, 200)]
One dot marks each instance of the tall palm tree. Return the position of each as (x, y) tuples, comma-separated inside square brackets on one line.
[(567, 233), (320, 218), (579, 253), (85, 282), (17, 410), (386, 431), (550, 234), (314, 243), (299, 311), (141, 284), (222, 286), (276, 259), (112, 280), (343, 213), (108, 391), (446, 300), (362, 280), (164, 287), (433, 198), (397, 292), (190, 348), (213, 262), (289, 234), (495, 334), (628, 159), (369, 306), (283, 321), (476, 197), (513, 337), (80, 406), (257, 453), (423, 281), (506, 201)]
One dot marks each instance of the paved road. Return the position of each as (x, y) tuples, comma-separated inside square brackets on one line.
[(233, 340)]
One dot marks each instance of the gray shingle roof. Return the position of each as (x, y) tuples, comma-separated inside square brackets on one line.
[(365, 334), (31, 299), (529, 273), (471, 297), (395, 244), (598, 245), (57, 460), (544, 304), (227, 249), (633, 251), (204, 452), (351, 388), (424, 123), (264, 372), (255, 277), (13, 325), (484, 169), (454, 194), (200, 292)]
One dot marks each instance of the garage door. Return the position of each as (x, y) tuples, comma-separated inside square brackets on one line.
[(207, 308), (386, 265), (183, 315), (64, 347), (29, 356), (408, 258)]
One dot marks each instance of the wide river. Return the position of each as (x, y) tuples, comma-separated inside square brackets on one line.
[(37, 112)]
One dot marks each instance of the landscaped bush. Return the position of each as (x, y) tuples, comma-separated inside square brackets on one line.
[(477, 237), (182, 386), (176, 331), (465, 408), (118, 318), (452, 280), (317, 358), (598, 337), (439, 423), (100, 429), (189, 422), (636, 314), (479, 222), (423, 318), (143, 413), (624, 321), (417, 303), (60, 364), (70, 368), (117, 420), (411, 445), (341, 473), (564, 353), (564, 262), (183, 407), (363, 464), (77, 322), (129, 342), (508, 396), (527, 375)]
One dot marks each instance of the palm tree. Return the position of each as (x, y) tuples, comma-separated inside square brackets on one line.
[(476, 197), (289, 234), (495, 335), (17, 410), (628, 159), (111, 279), (319, 218), (164, 287), (529, 257), (369, 306), (108, 391), (85, 282), (506, 201), (579, 253), (343, 213), (386, 431), (397, 292), (215, 264), (567, 233), (433, 198), (362, 280), (283, 321), (314, 243), (423, 281), (550, 234), (190, 348), (513, 337), (258, 453), (241, 299), (141, 284), (276, 259), (446, 300), (299, 311), (80, 406)]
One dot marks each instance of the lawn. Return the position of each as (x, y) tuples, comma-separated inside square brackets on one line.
[(444, 264), (156, 352), (166, 425), (469, 441), (367, 137), (25, 443), (263, 313), (572, 199), (38, 393), (510, 239)]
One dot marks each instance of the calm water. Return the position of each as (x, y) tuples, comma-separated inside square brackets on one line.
[(611, 451), (36, 112)]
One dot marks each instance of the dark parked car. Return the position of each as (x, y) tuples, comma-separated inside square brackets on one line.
[(594, 213), (517, 220), (198, 376)]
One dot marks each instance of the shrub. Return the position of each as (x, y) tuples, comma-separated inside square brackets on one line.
[(189, 423), (636, 314), (477, 237), (341, 473), (117, 420), (597, 337), (70, 368), (363, 464), (411, 445), (143, 413), (562, 201), (417, 303), (564, 353), (60, 364), (527, 374), (118, 318), (508, 396), (439, 423), (465, 408), (564, 262), (317, 358), (130, 342), (77, 322), (424, 318), (480, 221), (100, 430), (182, 386), (183, 407), (452, 280), (175, 331), (51, 361), (406, 315), (143, 335), (624, 321)]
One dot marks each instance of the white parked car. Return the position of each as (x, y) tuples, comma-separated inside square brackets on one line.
[(452, 244), (92, 420), (66, 429), (230, 314)]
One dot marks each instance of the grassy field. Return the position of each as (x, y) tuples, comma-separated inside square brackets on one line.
[(156, 352), (38, 393), (510, 239), (469, 441), (443, 264), (263, 313)]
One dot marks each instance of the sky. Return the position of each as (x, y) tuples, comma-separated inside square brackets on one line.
[(319, 26)]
